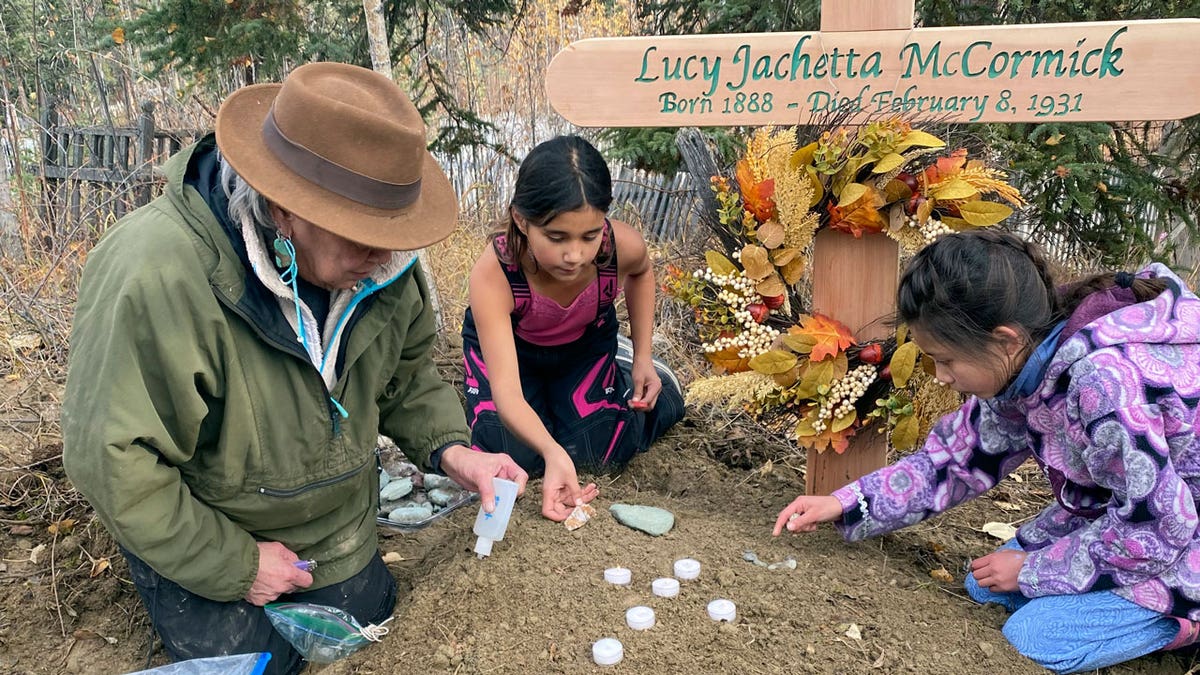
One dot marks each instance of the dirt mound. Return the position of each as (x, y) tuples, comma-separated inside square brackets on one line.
[(540, 601)]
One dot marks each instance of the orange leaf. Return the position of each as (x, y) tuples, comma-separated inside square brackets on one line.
[(808, 438), (946, 167), (831, 335), (728, 361), (756, 196), (860, 216)]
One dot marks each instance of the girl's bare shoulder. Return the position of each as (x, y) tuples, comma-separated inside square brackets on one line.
[(631, 246)]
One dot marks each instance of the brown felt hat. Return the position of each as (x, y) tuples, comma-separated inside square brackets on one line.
[(343, 148)]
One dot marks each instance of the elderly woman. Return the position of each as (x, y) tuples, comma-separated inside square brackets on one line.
[(240, 342)]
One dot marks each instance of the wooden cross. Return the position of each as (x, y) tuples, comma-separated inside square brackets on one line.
[(868, 60)]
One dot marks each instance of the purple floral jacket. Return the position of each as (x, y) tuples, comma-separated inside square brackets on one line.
[(1114, 426)]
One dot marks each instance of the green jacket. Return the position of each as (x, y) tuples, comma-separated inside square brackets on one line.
[(196, 427)]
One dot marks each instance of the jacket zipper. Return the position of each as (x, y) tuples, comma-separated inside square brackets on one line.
[(271, 492), (291, 350)]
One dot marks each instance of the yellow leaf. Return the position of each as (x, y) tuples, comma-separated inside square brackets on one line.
[(888, 162), (956, 224), (844, 421), (1054, 139), (793, 270), (801, 344), (901, 333), (896, 190), (787, 378), (771, 287), (902, 363), (719, 264), (816, 375), (955, 188), (852, 193), (942, 575), (756, 262), (774, 361), (904, 435), (803, 156), (924, 210), (118, 35), (817, 186), (770, 234), (981, 214), (919, 139)]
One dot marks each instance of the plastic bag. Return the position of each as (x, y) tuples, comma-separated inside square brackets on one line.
[(320, 633), (238, 664)]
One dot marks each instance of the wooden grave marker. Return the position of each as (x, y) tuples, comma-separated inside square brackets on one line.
[(869, 61)]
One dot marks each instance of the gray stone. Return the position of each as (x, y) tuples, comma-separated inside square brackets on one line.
[(441, 496), (396, 489), (435, 481), (649, 519), (410, 515)]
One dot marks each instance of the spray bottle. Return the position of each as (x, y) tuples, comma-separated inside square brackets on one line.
[(490, 527)]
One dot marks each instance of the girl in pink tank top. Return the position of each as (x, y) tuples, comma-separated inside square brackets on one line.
[(544, 380)]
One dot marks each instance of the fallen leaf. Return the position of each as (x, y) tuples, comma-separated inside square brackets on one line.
[(21, 530), (1001, 531), (36, 552), (392, 557), (98, 567), (25, 342), (1007, 506), (62, 527), (853, 632), (942, 575)]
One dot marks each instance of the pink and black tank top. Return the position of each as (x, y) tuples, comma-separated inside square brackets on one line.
[(540, 320)]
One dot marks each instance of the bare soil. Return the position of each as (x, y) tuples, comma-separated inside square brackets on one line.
[(540, 601)]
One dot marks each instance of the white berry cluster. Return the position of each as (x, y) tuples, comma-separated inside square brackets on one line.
[(842, 396), (737, 293), (751, 342), (931, 229)]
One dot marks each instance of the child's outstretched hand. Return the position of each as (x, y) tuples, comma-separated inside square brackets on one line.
[(806, 512), (998, 570), (646, 385), (560, 488)]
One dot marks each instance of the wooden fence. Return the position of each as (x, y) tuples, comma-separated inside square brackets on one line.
[(94, 175)]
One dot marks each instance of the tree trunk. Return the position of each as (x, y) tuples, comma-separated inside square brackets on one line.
[(381, 62)]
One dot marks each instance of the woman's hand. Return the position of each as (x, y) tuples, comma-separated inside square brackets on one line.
[(276, 574), (560, 488), (646, 385), (474, 471), (806, 512), (998, 570)]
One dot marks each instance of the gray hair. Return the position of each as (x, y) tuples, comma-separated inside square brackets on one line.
[(246, 205)]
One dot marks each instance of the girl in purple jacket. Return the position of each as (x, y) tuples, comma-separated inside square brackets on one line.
[(1098, 382)]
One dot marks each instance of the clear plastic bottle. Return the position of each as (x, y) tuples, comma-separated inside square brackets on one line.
[(490, 527)]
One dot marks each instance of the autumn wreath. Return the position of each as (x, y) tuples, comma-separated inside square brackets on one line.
[(806, 369)]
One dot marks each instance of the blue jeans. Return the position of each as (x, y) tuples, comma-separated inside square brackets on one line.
[(1076, 633)]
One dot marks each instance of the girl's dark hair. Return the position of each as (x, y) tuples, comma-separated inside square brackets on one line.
[(562, 174), (965, 285)]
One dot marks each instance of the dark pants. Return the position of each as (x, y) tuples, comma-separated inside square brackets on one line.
[(579, 390), (193, 627)]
